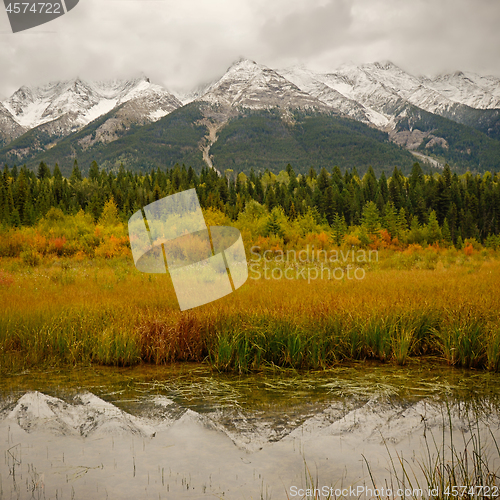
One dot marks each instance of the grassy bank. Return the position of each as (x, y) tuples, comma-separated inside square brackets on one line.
[(103, 311)]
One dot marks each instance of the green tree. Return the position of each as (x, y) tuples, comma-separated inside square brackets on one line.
[(432, 230), (273, 225), (94, 171), (446, 232), (43, 171), (339, 228), (109, 215), (391, 219), (76, 174), (371, 218)]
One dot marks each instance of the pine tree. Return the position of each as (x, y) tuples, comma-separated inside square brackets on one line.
[(370, 185), (273, 226), (29, 216), (270, 198), (445, 231), (109, 216), (329, 207), (416, 176), (339, 227), (3, 200), (432, 230), (58, 184), (402, 224), (94, 172), (292, 184), (395, 189), (323, 181), (259, 190), (391, 219), (76, 174), (382, 187), (371, 218), (9, 207), (21, 193), (15, 219), (43, 171)]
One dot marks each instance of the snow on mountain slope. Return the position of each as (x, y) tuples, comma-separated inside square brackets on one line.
[(9, 128), (379, 92), (147, 107), (362, 93), (409, 87), (247, 84), (480, 92), (307, 81), (85, 101)]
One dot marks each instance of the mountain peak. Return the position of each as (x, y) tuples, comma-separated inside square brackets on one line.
[(385, 65), (242, 62), (85, 100), (251, 85)]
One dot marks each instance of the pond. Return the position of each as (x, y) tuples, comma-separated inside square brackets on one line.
[(185, 431)]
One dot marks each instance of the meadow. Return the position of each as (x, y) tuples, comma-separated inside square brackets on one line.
[(410, 304)]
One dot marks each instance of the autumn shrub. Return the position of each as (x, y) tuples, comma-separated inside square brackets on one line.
[(468, 249), (31, 257), (112, 246), (351, 240)]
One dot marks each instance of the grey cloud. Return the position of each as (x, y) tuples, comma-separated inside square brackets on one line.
[(308, 30), (184, 44)]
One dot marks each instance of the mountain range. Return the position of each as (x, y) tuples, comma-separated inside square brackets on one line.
[(255, 117)]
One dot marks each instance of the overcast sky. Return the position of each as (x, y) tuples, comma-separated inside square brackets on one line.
[(184, 43)]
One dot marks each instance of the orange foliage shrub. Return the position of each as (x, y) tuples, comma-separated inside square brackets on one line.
[(113, 247), (12, 243), (413, 248), (320, 241), (262, 243), (385, 237), (40, 244), (469, 250), (56, 245), (375, 242)]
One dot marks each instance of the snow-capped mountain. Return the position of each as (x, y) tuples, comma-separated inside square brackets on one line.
[(378, 92), (247, 84), (85, 101), (51, 112), (353, 90), (428, 116), (479, 92)]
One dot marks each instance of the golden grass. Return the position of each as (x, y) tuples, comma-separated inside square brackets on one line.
[(106, 312)]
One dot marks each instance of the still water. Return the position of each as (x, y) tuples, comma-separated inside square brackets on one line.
[(185, 431)]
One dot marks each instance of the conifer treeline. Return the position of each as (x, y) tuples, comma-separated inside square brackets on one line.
[(464, 206)]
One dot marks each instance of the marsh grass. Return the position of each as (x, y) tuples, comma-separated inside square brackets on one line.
[(451, 470), (106, 312)]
